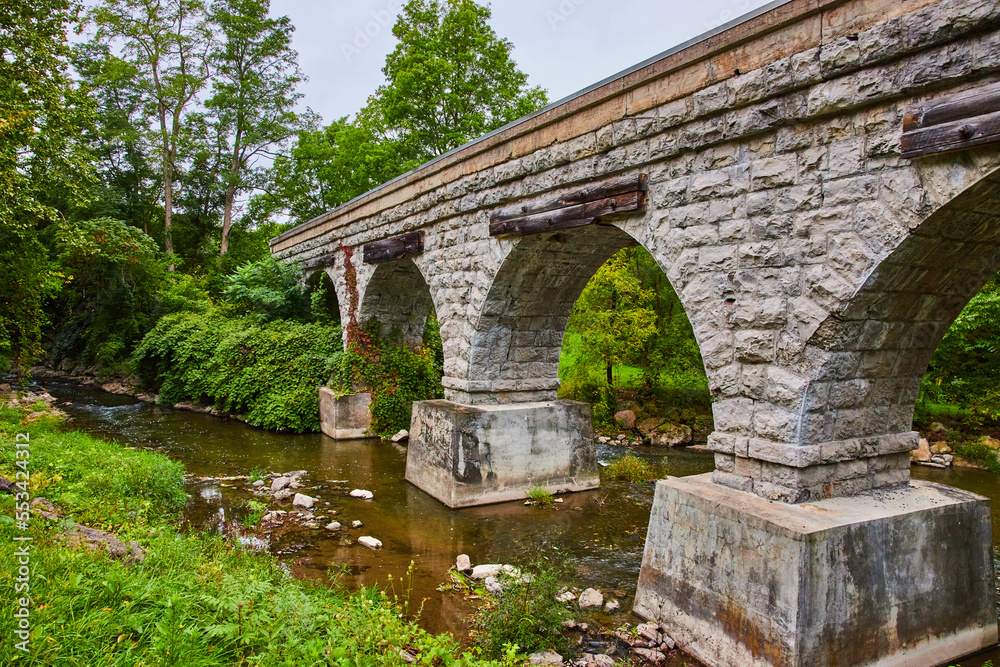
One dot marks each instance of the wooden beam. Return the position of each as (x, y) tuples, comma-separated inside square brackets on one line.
[(953, 123), (323, 260), (569, 216), (397, 247), (588, 193)]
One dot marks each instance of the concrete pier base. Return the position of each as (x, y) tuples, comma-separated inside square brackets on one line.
[(476, 455), (346, 417), (891, 578)]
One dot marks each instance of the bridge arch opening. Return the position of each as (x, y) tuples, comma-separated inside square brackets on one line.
[(398, 297), (324, 304)]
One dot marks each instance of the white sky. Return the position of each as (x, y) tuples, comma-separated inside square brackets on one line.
[(563, 45)]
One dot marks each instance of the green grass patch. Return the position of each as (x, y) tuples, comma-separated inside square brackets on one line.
[(978, 454), (630, 468), (539, 495)]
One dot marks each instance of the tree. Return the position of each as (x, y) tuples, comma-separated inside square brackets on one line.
[(167, 41), (42, 160), (449, 80), (256, 72)]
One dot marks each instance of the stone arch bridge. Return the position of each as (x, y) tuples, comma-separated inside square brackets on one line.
[(820, 182)]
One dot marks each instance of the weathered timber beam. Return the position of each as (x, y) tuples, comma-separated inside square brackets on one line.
[(397, 247), (588, 193), (316, 262), (569, 216), (953, 123)]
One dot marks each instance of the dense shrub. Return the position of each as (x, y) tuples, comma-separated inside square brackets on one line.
[(268, 372), (630, 468), (267, 290)]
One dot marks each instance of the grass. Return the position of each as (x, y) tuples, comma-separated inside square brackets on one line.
[(195, 600), (979, 454), (539, 495), (630, 468)]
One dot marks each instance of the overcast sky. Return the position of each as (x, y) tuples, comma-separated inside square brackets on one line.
[(563, 45)]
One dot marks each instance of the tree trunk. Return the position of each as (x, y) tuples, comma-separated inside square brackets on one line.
[(227, 221), (168, 207), (611, 377)]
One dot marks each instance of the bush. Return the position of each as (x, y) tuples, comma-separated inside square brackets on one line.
[(980, 454), (268, 372), (267, 290), (630, 468), (539, 495), (524, 613)]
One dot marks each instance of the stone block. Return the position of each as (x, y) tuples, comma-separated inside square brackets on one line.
[(772, 584), (346, 417), (476, 455)]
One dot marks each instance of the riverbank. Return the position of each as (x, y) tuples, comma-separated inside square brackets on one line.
[(182, 599)]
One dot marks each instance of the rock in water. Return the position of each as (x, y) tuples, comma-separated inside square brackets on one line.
[(333, 526), (625, 418), (611, 606), (463, 563), (546, 658), (591, 598), (672, 435), (280, 483), (259, 482), (361, 493), (356, 524), (652, 656), (401, 436), (369, 542), (301, 500), (923, 451), (483, 571)]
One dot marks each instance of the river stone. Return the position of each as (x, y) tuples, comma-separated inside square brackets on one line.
[(672, 435), (650, 655), (650, 424), (611, 606), (369, 542), (284, 494), (361, 493), (335, 525), (591, 598), (280, 483), (625, 418), (463, 563), (649, 632), (546, 658), (488, 570), (302, 500), (402, 435), (565, 596), (922, 452), (259, 482), (356, 524)]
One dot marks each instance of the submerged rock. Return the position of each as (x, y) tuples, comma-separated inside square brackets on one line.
[(361, 493), (369, 542)]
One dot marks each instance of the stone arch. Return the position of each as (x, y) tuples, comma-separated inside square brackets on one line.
[(517, 338), (331, 301), (397, 295)]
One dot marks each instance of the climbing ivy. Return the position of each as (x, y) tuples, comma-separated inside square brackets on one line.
[(396, 374)]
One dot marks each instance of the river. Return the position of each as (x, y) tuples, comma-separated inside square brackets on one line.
[(597, 534)]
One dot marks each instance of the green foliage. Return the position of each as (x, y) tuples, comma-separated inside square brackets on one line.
[(965, 369), (978, 453), (255, 510), (539, 495), (267, 290), (630, 468), (524, 616), (113, 274), (394, 373), (268, 372), (99, 483)]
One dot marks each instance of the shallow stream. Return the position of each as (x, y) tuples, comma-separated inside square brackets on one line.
[(598, 534)]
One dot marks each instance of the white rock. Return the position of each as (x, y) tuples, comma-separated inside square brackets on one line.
[(259, 482), (463, 563), (649, 632), (333, 526), (280, 483), (483, 571), (361, 493), (369, 542), (546, 658), (301, 500), (602, 660), (493, 584), (356, 524), (402, 435), (612, 605), (565, 596), (591, 598), (650, 655)]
